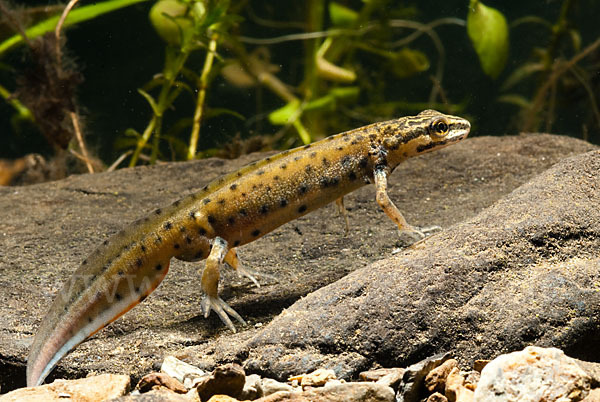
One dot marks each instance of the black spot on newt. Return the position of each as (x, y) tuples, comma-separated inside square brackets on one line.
[(233, 187), (243, 212), (264, 209), (158, 211), (313, 154), (283, 166), (302, 209), (231, 220), (201, 231), (139, 262), (236, 243), (158, 267), (256, 232), (176, 246), (168, 225), (283, 203), (206, 201), (306, 146), (211, 219)]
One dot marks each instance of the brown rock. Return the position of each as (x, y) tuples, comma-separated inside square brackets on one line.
[(158, 380), (228, 380), (97, 388), (455, 388), (390, 377), (47, 230), (437, 397), (436, 378)]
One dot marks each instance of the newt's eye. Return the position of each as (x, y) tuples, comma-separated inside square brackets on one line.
[(439, 127)]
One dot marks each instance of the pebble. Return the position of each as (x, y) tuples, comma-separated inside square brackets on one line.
[(534, 375)]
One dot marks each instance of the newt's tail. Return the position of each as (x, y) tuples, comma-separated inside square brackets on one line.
[(91, 299)]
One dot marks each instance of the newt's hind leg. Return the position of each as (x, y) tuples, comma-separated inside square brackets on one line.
[(342, 209), (210, 285), (233, 261)]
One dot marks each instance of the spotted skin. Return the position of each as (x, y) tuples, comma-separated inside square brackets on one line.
[(229, 212)]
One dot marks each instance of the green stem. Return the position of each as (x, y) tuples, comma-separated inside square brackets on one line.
[(202, 87), (165, 99), (23, 111)]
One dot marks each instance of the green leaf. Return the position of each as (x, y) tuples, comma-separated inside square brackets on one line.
[(218, 111), (488, 31), (408, 62), (75, 16), (150, 100), (515, 99), (341, 15), (521, 73), (283, 115)]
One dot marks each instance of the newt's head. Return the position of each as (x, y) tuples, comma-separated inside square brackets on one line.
[(425, 132)]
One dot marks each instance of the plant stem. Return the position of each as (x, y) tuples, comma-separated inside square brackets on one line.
[(202, 86)]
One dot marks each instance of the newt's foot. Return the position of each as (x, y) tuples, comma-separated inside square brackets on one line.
[(251, 274), (416, 234), (222, 309)]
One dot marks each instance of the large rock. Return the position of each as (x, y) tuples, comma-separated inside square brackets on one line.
[(46, 231), (522, 271)]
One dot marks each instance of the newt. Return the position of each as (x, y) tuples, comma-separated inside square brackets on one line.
[(227, 213)]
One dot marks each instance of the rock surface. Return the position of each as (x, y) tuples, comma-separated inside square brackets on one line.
[(522, 271), (98, 388), (46, 230)]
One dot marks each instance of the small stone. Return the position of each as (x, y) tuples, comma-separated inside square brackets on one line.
[(436, 378), (472, 379), (180, 370), (222, 398), (455, 388), (252, 387), (437, 397), (228, 379), (97, 388), (317, 378), (339, 392), (547, 373), (412, 380), (270, 386), (384, 376), (159, 395), (593, 396), (159, 380)]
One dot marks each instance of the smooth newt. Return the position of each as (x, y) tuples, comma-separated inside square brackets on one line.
[(229, 212)]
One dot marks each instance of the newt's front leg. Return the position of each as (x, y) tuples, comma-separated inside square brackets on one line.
[(391, 210), (210, 285)]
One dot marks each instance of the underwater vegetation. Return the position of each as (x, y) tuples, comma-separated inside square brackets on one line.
[(186, 79)]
